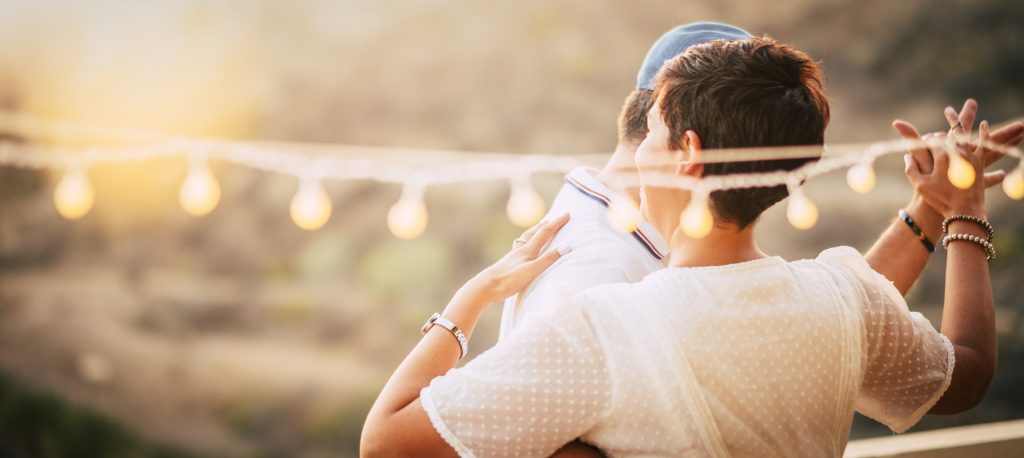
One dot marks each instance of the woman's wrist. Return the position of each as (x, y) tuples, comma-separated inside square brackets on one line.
[(469, 302), (966, 209), (967, 227)]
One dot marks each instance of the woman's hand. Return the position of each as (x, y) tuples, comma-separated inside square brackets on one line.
[(523, 264)]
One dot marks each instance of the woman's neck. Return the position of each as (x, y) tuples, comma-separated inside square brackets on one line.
[(724, 245)]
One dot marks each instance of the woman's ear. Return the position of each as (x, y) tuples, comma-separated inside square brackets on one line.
[(693, 166)]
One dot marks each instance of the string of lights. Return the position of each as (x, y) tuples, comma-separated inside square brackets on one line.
[(418, 169)]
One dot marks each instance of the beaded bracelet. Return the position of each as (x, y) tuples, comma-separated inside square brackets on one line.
[(990, 251), (970, 219), (917, 231)]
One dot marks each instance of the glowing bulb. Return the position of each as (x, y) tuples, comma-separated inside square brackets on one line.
[(1013, 184), (200, 192), (525, 207), (861, 178), (311, 207), (407, 219), (961, 172), (623, 214), (801, 212), (74, 195), (697, 221)]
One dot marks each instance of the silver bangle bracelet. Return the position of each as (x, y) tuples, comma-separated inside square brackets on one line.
[(451, 327)]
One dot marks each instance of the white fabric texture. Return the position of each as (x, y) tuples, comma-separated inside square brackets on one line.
[(601, 253), (764, 358)]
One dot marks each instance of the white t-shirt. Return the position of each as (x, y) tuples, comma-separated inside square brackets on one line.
[(763, 358), (601, 254)]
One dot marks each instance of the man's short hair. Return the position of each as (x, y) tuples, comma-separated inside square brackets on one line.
[(633, 117), (737, 94)]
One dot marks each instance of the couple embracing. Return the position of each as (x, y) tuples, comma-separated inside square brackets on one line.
[(651, 343)]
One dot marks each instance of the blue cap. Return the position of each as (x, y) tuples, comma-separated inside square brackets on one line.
[(678, 40)]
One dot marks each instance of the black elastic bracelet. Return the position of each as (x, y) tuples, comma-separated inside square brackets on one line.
[(917, 231)]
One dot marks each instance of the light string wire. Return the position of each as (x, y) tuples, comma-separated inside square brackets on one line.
[(417, 169)]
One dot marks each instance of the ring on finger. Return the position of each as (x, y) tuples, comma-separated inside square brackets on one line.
[(518, 243)]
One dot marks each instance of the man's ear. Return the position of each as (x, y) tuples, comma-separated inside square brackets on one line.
[(693, 165)]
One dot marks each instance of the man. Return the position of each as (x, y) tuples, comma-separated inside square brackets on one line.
[(603, 253)]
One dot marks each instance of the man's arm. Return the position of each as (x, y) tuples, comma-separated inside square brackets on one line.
[(898, 254)]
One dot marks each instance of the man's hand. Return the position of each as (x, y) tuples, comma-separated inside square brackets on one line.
[(897, 254)]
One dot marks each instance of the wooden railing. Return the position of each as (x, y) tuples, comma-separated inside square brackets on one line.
[(990, 440)]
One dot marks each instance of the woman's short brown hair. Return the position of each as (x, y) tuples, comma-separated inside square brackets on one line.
[(738, 94)]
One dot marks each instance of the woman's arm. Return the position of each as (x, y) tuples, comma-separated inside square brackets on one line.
[(397, 424), (968, 308)]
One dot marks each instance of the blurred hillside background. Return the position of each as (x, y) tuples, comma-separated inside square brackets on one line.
[(141, 331)]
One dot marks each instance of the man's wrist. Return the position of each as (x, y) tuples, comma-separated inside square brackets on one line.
[(926, 217)]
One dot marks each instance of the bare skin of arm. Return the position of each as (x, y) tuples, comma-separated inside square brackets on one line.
[(898, 254), (968, 314), (397, 425)]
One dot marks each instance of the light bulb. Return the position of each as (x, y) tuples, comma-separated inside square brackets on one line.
[(407, 218), (961, 171), (697, 221), (1013, 184), (861, 178), (200, 191), (525, 207), (311, 207), (623, 214), (74, 195), (801, 212)]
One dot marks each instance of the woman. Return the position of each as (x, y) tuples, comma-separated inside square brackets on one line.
[(726, 352)]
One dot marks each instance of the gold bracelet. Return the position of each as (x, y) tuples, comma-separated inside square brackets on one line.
[(990, 251)]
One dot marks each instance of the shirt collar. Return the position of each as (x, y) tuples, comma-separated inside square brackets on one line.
[(585, 182)]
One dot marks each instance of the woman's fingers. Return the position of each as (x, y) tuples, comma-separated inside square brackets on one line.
[(965, 117), (544, 234), (529, 232), (547, 259), (994, 178), (918, 150), (951, 115), (983, 139), (1009, 135), (1006, 137)]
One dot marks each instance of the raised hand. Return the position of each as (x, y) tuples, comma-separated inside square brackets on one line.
[(934, 186), (1008, 136), (920, 158)]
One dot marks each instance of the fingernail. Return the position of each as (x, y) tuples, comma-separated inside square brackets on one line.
[(564, 250), (906, 160)]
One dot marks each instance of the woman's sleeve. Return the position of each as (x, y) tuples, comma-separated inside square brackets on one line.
[(909, 363), (539, 389)]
